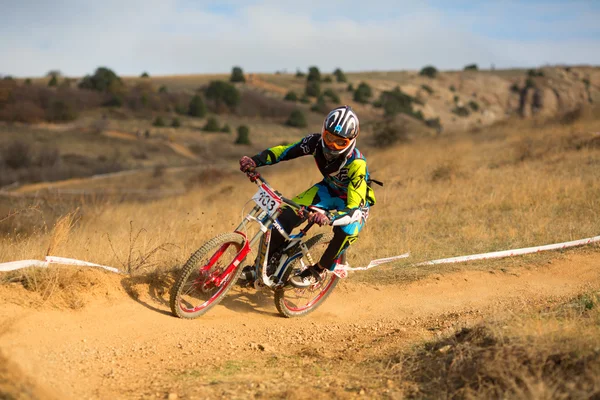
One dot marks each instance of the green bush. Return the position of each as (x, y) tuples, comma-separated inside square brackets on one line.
[(586, 82), (162, 89), (471, 67), (103, 80), (304, 99), (17, 155), (474, 105), (461, 111), (456, 98), (28, 82), (212, 125), (176, 123), (434, 123), (452, 88), (312, 89), (296, 119), (291, 96), (223, 93), (429, 71), (61, 111), (237, 75), (300, 74), (363, 93), (314, 75), (427, 88), (532, 73), (529, 83), (340, 76), (158, 122), (226, 129), (243, 135), (115, 100), (196, 107), (144, 75), (320, 105), (396, 102), (515, 88), (389, 132), (327, 79), (53, 81), (332, 95), (350, 88)]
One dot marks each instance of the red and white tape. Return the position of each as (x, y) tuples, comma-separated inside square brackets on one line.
[(14, 265), (341, 270), (71, 261), (510, 253)]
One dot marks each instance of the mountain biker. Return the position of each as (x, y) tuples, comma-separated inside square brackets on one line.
[(344, 188)]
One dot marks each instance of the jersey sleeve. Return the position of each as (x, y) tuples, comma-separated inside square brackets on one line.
[(357, 189), (273, 155)]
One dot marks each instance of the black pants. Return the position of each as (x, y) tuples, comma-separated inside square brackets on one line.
[(290, 220)]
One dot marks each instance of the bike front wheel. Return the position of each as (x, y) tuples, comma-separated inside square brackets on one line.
[(202, 284), (294, 302)]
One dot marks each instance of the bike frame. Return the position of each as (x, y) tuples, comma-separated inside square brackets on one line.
[(266, 223)]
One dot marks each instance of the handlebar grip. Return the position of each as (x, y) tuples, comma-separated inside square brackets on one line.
[(290, 202)]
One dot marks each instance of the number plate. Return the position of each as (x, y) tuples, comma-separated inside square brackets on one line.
[(267, 200)]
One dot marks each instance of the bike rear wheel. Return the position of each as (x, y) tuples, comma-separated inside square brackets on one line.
[(195, 291), (293, 302)]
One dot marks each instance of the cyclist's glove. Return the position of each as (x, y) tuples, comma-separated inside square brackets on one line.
[(319, 219), (247, 164)]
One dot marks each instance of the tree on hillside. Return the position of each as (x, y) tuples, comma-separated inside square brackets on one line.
[(340, 76), (212, 125), (54, 73), (243, 135), (471, 67), (296, 119), (314, 75), (363, 93), (313, 88), (429, 71), (291, 96), (53, 81), (237, 75), (196, 107), (222, 93), (103, 80), (144, 75)]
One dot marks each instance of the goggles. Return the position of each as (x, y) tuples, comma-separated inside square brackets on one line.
[(335, 142)]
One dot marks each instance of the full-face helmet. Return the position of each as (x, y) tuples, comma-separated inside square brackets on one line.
[(340, 130)]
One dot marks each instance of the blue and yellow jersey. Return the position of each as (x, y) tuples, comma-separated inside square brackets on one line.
[(347, 178)]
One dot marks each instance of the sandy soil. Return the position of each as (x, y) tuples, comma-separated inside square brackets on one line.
[(114, 345)]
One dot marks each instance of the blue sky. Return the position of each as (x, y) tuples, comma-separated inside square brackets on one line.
[(184, 36)]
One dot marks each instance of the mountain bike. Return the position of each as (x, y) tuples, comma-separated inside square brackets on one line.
[(213, 269)]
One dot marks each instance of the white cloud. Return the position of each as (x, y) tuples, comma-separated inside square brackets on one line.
[(167, 37)]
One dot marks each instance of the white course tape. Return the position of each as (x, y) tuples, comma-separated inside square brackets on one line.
[(70, 261), (14, 265), (510, 253), (374, 263), (341, 270)]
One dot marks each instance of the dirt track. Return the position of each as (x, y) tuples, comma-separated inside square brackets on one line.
[(117, 347)]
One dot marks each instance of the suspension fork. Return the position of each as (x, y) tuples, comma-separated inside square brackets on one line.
[(265, 230)]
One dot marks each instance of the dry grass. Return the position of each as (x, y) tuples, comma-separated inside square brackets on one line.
[(464, 194), (552, 354)]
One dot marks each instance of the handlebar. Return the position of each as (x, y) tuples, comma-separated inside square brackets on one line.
[(257, 178)]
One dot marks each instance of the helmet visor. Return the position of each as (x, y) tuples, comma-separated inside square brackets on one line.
[(335, 142)]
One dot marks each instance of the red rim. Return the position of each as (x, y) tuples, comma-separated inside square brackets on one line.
[(213, 259), (314, 301)]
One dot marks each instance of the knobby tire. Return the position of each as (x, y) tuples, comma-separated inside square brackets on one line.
[(191, 265), (282, 305)]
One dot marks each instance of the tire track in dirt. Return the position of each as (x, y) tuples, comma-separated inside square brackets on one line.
[(121, 348)]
